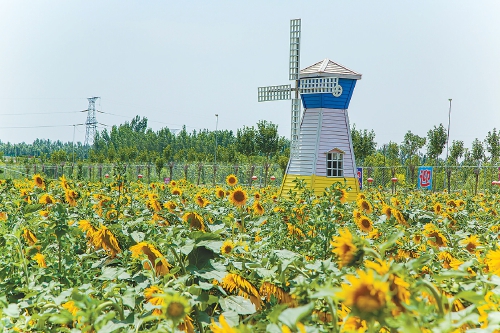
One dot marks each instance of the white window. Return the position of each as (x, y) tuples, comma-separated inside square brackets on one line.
[(334, 164)]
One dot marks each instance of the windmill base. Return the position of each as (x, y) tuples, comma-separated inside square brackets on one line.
[(318, 185)]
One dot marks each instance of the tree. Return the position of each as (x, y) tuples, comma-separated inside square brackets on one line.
[(436, 142), (245, 141), (411, 145), (456, 151), (267, 138), (363, 143), (477, 151), (493, 144)]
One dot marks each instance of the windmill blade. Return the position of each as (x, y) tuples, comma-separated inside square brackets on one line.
[(294, 49), (274, 93), (295, 128)]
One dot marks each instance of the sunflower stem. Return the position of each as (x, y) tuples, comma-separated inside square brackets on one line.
[(22, 258), (178, 259), (435, 293)]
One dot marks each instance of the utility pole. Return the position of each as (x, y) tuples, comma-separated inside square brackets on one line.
[(216, 123), (91, 122)]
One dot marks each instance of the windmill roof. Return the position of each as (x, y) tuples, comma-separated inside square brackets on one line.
[(326, 67)]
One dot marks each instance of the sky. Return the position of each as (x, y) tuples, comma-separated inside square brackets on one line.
[(182, 62)]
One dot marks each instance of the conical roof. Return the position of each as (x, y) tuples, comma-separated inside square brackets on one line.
[(326, 68)]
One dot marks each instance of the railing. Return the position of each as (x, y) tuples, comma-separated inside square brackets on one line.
[(197, 173)]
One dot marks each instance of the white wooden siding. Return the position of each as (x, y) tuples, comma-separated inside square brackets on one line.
[(322, 130), (334, 134)]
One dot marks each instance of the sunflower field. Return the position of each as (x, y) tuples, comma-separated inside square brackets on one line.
[(122, 256)]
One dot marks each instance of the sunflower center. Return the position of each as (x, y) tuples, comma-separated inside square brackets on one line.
[(175, 309)]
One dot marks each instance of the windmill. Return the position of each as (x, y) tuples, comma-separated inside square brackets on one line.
[(321, 151)]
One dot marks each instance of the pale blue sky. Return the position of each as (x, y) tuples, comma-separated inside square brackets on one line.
[(181, 62)]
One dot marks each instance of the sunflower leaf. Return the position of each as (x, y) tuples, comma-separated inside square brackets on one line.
[(237, 304), (291, 317)]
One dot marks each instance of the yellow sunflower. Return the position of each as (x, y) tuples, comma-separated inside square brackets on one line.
[(38, 181), (220, 193), (364, 205), (365, 224), (470, 243), (154, 256), (365, 293), (40, 259), (227, 247), (438, 208), (176, 191), (344, 247), (222, 326), (104, 238), (257, 208), (29, 237), (47, 199), (231, 180), (387, 211), (3, 216), (238, 197), (194, 220)]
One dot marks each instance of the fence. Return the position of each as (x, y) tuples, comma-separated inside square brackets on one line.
[(454, 178), (460, 177), (201, 174)]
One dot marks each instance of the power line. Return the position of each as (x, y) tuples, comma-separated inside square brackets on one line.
[(40, 126), (31, 113)]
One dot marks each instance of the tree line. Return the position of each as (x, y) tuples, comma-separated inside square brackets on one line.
[(134, 142)]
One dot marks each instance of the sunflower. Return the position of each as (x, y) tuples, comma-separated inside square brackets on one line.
[(365, 293), (257, 196), (64, 183), (257, 208), (176, 307), (227, 247), (365, 224), (194, 220), (356, 214), (3, 216), (154, 204), (238, 197), (154, 297), (387, 211), (103, 238), (40, 259), (111, 214), (364, 205), (436, 238), (223, 328), (170, 205), (200, 201), (47, 199), (154, 256), (176, 191), (71, 307), (399, 217), (361, 196), (38, 181), (470, 243), (344, 247), (29, 237), (268, 290), (70, 196), (231, 180), (234, 282), (438, 208), (220, 193)]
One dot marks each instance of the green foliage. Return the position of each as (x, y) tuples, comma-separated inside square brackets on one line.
[(363, 143), (436, 141)]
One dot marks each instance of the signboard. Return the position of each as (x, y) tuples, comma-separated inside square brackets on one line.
[(425, 178), (359, 173)]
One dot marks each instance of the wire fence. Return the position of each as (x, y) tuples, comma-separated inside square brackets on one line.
[(200, 174), (452, 178)]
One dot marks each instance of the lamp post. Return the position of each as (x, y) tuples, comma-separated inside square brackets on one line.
[(447, 147), (216, 124)]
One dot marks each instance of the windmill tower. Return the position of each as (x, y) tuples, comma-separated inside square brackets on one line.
[(321, 151), (91, 122)]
